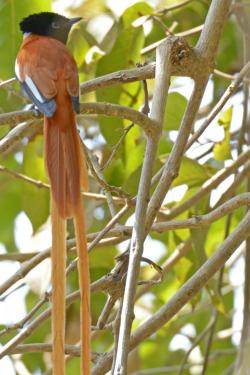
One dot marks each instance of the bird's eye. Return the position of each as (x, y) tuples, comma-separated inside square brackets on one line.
[(55, 25)]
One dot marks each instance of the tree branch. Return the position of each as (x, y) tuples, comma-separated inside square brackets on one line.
[(185, 293), (210, 184), (232, 88), (162, 79)]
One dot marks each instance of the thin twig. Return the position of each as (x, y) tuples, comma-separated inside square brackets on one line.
[(242, 363), (106, 283), (96, 170), (23, 270), (185, 293), (15, 136), (215, 311), (126, 231), (21, 323), (7, 82), (209, 185), (116, 147), (182, 34), (173, 7), (196, 342), (101, 234), (179, 252), (218, 107), (206, 47), (43, 185), (172, 165)]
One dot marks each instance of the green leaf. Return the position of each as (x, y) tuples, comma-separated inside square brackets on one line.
[(191, 172), (110, 38), (33, 361), (231, 36), (134, 147), (97, 260), (35, 201), (10, 203), (175, 108), (216, 235), (226, 118), (135, 159), (131, 184), (73, 366), (164, 147), (124, 54), (78, 45), (11, 13), (4, 130), (222, 149), (182, 268), (167, 289), (199, 239), (216, 298), (90, 8), (115, 173)]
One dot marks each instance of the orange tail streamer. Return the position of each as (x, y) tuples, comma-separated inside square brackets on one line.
[(83, 269), (58, 256), (67, 173)]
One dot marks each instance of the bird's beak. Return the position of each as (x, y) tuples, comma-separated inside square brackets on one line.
[(74, 20)]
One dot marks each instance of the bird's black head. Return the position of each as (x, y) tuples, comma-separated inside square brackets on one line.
[(48, 24)]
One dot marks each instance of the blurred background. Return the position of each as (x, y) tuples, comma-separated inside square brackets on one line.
[(116, 35)]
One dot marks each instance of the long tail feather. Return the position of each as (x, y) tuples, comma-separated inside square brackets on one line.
[(58, 255), (77, 176), (66, 170), (84, 282)]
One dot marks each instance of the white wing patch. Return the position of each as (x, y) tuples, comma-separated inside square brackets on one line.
[(17, 71), (44, 105), (31, 85), (33, 89)]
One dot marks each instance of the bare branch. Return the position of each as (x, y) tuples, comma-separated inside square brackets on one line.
[(7, 82), (218, 107), (105, 109), (126, 231), (15, 136), (183, 34), (210, 184), (185, 293), (43, 185), (162, 79), (179, 252), (106, 283), (117, 146), (23, 270)]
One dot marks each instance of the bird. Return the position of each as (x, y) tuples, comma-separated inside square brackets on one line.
[(48, 75)]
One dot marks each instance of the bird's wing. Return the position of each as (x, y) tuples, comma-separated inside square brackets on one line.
[(37, 68), (72, 82)]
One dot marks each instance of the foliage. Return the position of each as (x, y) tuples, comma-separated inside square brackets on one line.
[(120, 48)]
